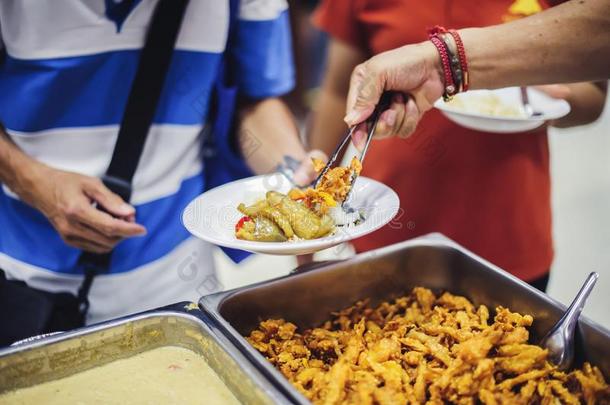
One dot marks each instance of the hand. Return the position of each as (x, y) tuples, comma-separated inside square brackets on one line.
[(560, 91), (68, 201), (305, 259), (414, 71), (305, 174)]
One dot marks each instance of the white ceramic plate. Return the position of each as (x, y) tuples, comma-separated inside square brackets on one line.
[(212, 216), (469, 117)]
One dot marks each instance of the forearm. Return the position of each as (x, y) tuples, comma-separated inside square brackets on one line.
[(267, 134), (16, 168), (586, 102), (328, 124), (567, 43)]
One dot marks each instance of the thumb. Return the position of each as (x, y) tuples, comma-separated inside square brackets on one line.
[(111, 202), (306, 173), (560, 91), (364, 92)]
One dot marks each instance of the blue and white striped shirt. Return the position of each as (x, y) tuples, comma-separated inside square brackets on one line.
[(64, 83)]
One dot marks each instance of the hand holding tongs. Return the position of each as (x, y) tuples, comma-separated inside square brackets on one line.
[(371, 122)]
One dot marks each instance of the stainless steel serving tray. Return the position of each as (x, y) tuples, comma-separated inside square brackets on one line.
[(181, 325), (432, 261)]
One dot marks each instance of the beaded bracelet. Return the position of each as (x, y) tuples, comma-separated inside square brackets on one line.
[(450, 87), (455, 67), (462, 55)]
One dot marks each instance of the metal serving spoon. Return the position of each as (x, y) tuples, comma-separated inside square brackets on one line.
[(560, 339)]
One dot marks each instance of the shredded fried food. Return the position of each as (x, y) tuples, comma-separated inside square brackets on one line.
[(423, 349), (337, 181), (332, 188), (318, 164)]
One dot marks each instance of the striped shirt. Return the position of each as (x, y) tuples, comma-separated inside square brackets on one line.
[(65, 76)]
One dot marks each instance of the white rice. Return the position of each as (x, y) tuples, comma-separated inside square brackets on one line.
[(343, 218)]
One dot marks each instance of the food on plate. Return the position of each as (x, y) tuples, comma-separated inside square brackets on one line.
[(338, 181), (487, 104), (423, 348), (278, 218), (160, 376), (300, 214)]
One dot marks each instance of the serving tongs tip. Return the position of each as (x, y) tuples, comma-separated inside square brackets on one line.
[(371, 123)]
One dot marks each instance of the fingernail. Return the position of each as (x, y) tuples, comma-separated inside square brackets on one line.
[(390, 118), (358, 138), (351, 117), (126, 209)]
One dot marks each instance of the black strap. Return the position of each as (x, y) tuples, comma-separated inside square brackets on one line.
[(139, 113), (229, 73), (226, 77)]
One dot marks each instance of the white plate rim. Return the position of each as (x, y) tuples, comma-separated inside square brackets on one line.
[(268, 247)]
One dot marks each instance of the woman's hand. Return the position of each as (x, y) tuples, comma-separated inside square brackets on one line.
[(414, 71), (586, 101)]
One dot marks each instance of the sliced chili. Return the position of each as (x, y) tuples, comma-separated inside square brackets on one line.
[(241, 222)]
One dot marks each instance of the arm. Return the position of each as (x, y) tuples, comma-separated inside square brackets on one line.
[(586, 102), (328, 127), (568, 43), (263, 69), (66, 200), (267, 134)]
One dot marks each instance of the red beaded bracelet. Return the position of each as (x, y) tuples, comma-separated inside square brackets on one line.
[(462, 55), (456, 60), (450, 88)]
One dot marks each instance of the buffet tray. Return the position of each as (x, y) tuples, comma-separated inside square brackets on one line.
[(433, 261), (40, 360)]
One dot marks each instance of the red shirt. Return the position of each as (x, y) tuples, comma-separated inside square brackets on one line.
[(489, 192)]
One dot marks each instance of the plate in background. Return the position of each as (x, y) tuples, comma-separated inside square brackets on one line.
[(472, 110)]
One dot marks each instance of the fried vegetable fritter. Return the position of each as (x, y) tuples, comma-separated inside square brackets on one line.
[(423, 349)]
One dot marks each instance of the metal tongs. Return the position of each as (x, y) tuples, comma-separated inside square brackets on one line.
[(371, 122)]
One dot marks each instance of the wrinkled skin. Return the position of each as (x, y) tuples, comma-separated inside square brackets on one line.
[(413, 72)]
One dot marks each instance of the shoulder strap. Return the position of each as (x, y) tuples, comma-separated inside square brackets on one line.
[(227, 65), (139, 113), (225, 79), (144, 96)]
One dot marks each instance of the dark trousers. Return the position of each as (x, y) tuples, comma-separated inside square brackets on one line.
[(25, 311)]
